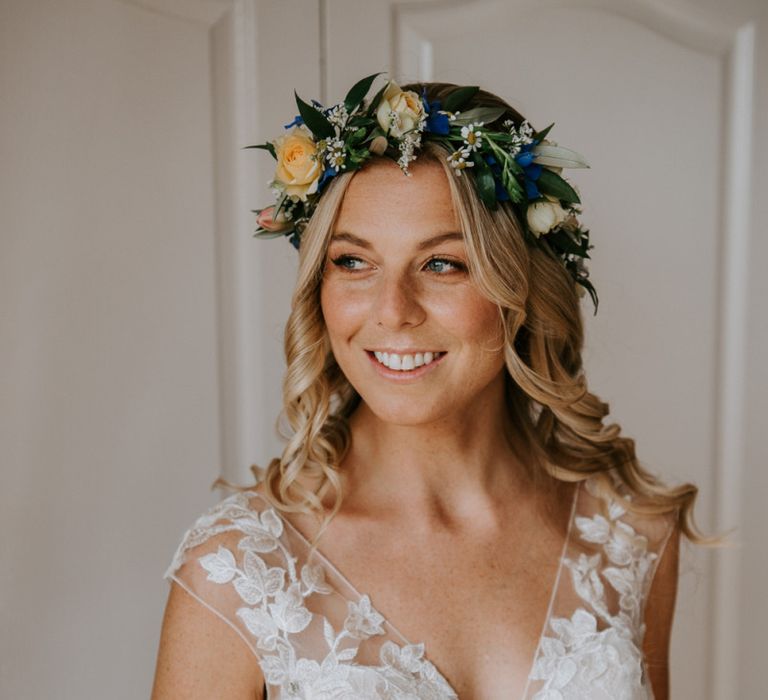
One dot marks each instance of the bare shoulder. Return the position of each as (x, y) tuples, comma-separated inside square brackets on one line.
[(199, 654), (659, 613)]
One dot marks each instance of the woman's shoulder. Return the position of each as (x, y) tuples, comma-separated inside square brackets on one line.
[(608, 512), (245, 513)]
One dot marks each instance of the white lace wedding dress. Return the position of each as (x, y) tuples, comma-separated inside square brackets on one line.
[(315, 636)]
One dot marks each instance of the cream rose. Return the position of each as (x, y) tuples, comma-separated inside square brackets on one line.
[(406, 105), (543, 216), (298, 168), (267, 220)]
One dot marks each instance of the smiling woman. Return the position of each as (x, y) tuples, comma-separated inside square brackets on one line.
[(444, 451)]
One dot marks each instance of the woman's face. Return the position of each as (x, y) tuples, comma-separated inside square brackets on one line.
[(396, 281)]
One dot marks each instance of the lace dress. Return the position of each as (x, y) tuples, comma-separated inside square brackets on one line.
[(316, 636)]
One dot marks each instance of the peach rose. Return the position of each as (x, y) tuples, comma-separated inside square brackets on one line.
[(406, 105), (298, 168)]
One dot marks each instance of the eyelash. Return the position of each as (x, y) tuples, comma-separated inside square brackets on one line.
[(342, 258)]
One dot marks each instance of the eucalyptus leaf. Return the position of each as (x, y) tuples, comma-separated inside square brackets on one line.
[(358, 91), (487, 115), (459, 97), (316, 121), (551, 183)]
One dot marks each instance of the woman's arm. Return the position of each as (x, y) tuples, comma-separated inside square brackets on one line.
[(200, 657), (659, 613)]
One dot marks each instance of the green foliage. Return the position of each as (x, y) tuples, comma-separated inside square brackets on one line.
[(266, 146), (358, 92), (551, 183), (459, 97), (316, 122)]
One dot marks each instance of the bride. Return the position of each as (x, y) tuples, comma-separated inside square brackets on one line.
[(450, 516)]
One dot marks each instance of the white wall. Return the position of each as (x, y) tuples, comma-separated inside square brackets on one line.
[(109, 433)]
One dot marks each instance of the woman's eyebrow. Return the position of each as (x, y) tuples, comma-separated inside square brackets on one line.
[(426, 243)]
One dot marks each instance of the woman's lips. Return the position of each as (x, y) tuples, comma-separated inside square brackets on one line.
[(404, 375)]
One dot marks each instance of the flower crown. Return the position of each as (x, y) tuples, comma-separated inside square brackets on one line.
[(509, 162)]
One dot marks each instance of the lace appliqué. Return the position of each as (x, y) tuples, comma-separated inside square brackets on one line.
[(581, 661), (274, 609)]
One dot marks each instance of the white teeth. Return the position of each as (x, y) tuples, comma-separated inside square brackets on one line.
[(405, 362)]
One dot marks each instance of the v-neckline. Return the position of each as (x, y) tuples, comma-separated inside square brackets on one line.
[(407, 642)]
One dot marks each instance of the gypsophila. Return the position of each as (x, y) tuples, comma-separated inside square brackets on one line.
[(510, 164)]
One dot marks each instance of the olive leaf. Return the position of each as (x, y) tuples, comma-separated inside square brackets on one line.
[(487, 115)]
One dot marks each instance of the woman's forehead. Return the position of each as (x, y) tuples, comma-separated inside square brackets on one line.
[(381, 194)]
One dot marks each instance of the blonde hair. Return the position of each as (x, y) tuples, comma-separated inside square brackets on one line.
[(558, 420)]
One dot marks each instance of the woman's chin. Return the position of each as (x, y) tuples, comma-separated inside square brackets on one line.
[(406, 412)]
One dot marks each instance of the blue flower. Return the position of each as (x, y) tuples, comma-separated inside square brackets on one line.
[(531, 170), (436, 123), (294, 239), (297, 120), (501, 192), (328, 173)]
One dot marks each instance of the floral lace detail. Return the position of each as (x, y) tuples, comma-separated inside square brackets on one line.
[(274, 609), (582, 662)]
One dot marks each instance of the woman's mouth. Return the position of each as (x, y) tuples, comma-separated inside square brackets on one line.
[(405, 365)]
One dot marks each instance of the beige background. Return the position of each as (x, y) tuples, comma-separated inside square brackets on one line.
[(140, 324)]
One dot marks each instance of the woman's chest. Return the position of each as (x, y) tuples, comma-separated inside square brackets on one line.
[(478, 605)]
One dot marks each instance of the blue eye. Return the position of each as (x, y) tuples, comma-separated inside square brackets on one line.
[(443, 262), (343, 259)]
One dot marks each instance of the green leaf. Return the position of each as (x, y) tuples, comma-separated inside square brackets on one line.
[(355, 137), (358, 91), (584, 282), (376, 99), (551, 183), (539, 135), (512, 186), (266, 146), (315, 120), (486, 186), (458, 98), (488, 115), (564, 242)]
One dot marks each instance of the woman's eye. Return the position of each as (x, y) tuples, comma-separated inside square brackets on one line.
[(443, 265), (343, 261)]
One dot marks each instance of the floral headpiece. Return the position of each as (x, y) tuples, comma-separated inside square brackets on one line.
[(509, 163)]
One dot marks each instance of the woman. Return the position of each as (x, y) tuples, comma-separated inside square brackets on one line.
[(450, 516)]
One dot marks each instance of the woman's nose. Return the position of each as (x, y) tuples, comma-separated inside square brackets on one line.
[(397, 302)]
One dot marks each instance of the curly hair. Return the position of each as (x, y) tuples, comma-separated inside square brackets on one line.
[(559, 421)]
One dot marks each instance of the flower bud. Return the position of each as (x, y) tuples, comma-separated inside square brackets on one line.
[(378, 145)]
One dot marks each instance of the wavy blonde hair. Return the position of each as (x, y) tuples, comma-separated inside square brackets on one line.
[(555, 415)]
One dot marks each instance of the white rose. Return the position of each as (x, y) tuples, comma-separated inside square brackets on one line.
[(407, 107), (543, 216)]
